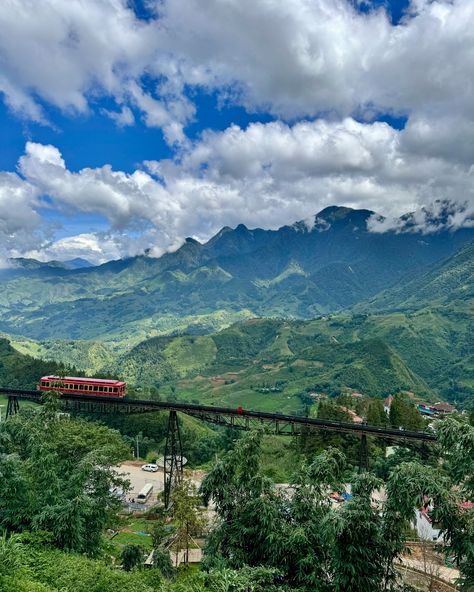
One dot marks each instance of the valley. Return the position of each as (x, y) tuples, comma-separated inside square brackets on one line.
[(181, 327)]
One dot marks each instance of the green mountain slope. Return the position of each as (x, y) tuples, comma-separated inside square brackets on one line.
[(294, 272), (18, 370), (449, 282), (268, 364), (265, 364)]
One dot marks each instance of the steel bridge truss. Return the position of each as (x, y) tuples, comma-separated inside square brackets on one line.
[(274, 423)]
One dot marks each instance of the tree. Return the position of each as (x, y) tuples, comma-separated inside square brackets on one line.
[(357, 549), (448, 487), (10, 553), (131, 556), (404, 414), (376, 414), (186, 516), (57, 475)]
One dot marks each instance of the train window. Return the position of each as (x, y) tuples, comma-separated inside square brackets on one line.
[(96, 388), (76, 386), (115, 389)]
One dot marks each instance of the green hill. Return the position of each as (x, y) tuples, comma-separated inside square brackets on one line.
[(265, 364), (270, 364), (22, 371)]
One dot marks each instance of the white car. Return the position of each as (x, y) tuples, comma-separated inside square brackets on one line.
[(150, 468)]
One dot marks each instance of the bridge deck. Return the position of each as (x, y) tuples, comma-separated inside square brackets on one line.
[(244, 420)]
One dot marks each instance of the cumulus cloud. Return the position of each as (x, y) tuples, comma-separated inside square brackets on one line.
[(320, 65), (20, 224), (265, 175), (297, 58)]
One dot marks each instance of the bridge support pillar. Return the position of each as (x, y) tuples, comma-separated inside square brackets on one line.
[(13, 406), (363, 454), (173, 459)]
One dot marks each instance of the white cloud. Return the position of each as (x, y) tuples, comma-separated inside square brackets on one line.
[(266, 175), (297, 58), (19, 221), (122, 118)]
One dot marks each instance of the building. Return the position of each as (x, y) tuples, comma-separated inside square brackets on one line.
[(425, 528), (444, 408), (435, 409), (426, 409)]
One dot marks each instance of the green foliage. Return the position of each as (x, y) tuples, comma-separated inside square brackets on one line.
[(10, 554), (57, 476), (404, 414), (50, 570), (20, 371), (315, 547), (186, 516), (358, 560), (131, 556), (376, 414)]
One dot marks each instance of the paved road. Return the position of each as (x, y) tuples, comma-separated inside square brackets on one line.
[(132, 470)]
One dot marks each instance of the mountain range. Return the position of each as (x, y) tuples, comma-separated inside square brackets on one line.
[(303, 270)]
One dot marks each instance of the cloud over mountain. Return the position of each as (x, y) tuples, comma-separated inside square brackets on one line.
[(266, 175), (322, 69)]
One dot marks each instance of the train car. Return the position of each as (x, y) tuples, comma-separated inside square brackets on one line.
[(100, 387)]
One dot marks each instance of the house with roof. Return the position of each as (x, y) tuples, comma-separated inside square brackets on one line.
[(440, 409)]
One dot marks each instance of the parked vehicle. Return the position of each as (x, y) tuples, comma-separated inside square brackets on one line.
[(145, 493), (151, 468)]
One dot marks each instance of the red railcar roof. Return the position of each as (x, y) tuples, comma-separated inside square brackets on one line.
[(84, 380)]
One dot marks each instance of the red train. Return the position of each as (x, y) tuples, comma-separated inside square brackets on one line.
[(101, 387)]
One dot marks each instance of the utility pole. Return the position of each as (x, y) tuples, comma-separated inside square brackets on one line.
[(137, 447), (1, 412)]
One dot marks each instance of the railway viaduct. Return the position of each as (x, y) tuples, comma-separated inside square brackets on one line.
[(240, 419)]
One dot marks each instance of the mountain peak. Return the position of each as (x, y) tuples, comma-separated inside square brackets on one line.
[(333, 213), (343, 216), (191, 241)]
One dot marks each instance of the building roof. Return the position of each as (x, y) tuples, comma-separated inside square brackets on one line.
[(388, 401), (444, 407)]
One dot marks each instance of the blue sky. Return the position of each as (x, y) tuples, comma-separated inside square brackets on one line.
[(128, 126)]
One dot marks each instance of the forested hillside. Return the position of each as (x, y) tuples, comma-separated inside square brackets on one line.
[(447, 283), (309, 268), (267, 364), (23, 371)]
